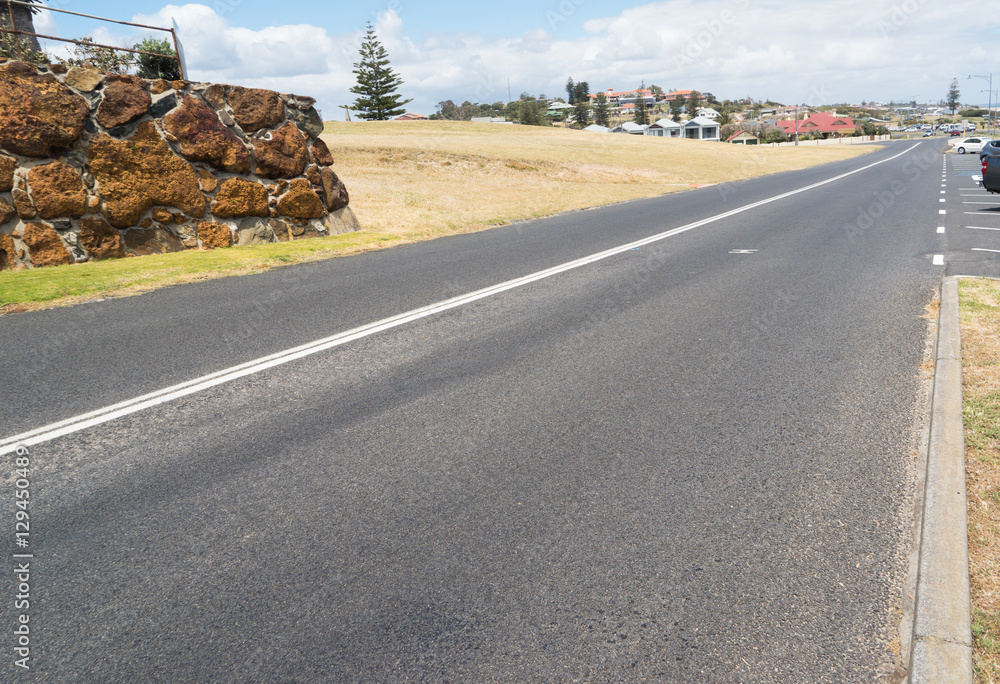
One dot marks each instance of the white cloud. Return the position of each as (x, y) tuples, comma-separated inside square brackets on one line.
[(793, 52)]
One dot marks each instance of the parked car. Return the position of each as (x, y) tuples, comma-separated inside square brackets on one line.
[(928, 134), (990, 156), (964, 145), (955, 133)]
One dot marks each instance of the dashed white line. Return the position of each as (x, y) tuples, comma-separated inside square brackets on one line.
[(940, 230), (939, 259)]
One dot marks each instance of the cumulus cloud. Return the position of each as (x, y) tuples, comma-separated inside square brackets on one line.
[(792, 52)]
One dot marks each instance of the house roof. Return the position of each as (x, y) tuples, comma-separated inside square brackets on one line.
[(629, 127), (739, 133), (701, 121), (597, 128), (819, 121), (665, 123), (410, 116)]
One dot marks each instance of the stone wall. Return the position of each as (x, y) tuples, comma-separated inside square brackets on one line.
[(96, 166)]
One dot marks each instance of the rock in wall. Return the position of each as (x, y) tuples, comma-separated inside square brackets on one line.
[(96, 166)]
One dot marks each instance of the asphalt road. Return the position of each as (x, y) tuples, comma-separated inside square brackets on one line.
[(689, 461)]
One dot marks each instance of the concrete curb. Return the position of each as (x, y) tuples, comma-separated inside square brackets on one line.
[(941, 646)]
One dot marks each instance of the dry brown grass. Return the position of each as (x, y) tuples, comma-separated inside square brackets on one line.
[(980, 319), (428, 178), (413, 181)]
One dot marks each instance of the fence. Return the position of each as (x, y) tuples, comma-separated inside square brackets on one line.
[(14, 31), (854, 140)]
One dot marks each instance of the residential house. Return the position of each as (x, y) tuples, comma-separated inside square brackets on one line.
[(558, 108), (819, 122), (665, 128), (595, 128), (708, 113), (670, 97), (631, 128), (700, 128), (410, 116), (743, 138)]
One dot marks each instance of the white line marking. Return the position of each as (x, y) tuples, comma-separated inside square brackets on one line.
[(942, 212), (944, 200), (109, 413), (991, 203), (939, 259), (979, 228), (982, 249), (940, 230)]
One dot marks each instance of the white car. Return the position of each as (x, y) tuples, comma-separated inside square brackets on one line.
[(963, 145)]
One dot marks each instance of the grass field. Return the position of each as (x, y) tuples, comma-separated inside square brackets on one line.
[(980, 320), (426, 178), (412, 181)]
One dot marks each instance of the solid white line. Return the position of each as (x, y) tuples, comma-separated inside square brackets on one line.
[(939, 259), (109, 413), (981, 249), (993, 203), (979, 228)]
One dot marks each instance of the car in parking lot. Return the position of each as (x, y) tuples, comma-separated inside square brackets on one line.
[(963, 145), (928, 134)]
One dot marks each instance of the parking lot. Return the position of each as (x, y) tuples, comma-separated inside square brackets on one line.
[(969, 218)]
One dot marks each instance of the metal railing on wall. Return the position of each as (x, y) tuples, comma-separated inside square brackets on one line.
[(14, 30)]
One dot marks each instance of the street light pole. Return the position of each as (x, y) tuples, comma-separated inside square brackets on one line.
[(990, 99)]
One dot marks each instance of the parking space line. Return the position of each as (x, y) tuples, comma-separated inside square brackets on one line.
[(980, 228), (983, 249)]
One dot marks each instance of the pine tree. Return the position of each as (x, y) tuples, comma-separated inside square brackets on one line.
[(676, 107), (377, 82), (570, 90), (953, 95), (641, 117), (581, 113), (601, 111)]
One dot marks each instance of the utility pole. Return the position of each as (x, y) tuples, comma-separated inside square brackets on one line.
[(990, 106)]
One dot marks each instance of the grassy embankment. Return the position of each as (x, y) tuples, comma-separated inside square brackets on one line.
[(980, 319), (413, 181)]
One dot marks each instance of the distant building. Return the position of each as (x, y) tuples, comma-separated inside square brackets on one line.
[(743, 138), (819, 122), (410, 116), (665, 128)]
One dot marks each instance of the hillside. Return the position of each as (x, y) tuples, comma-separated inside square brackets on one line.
[(426, 178)]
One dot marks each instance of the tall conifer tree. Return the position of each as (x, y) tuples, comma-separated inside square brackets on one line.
[(377, 82)]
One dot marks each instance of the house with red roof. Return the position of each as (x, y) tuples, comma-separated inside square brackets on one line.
[(819, 122)]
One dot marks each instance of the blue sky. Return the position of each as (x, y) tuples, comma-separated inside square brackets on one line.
[(793, 53)]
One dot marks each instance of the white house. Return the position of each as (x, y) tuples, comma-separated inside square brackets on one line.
[(700, 128), (631, 128), (708, 113), (665, 128), (594, 128)]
